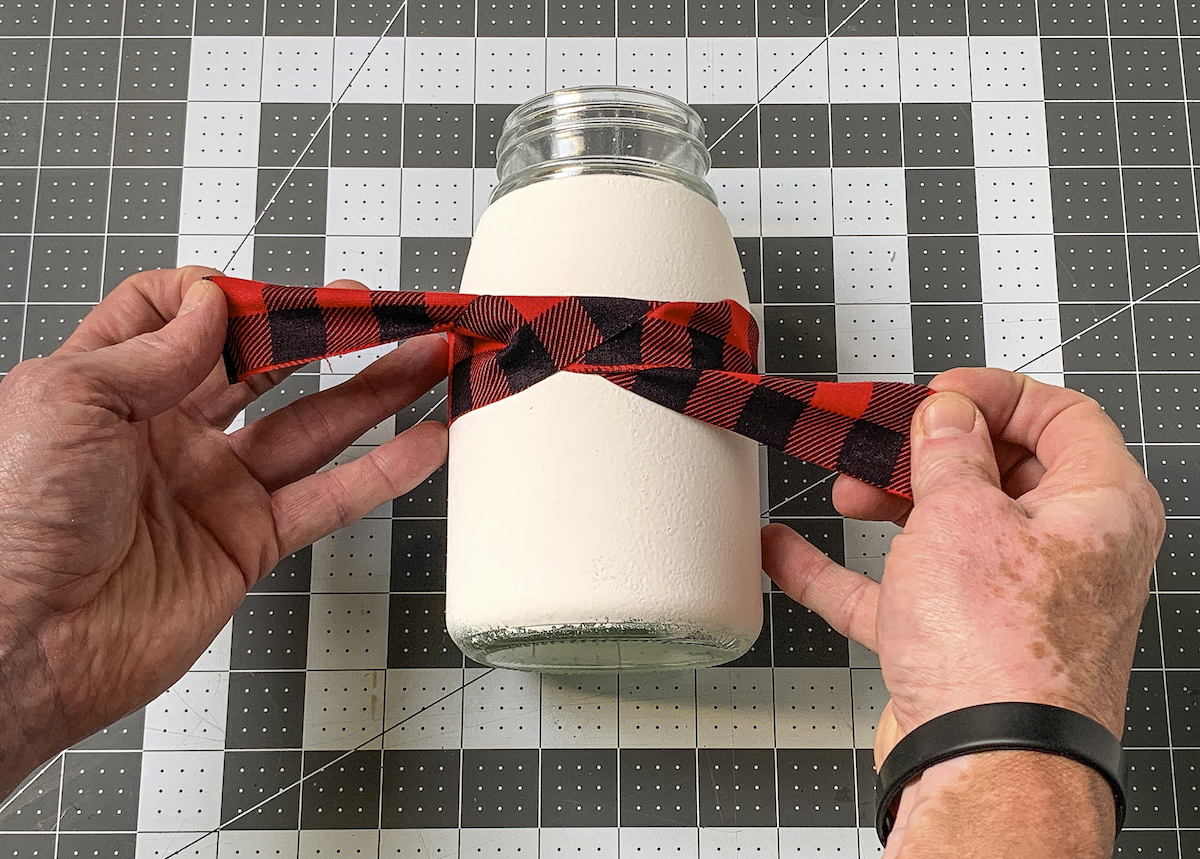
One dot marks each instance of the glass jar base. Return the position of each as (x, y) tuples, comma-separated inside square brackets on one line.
[(597, 648)]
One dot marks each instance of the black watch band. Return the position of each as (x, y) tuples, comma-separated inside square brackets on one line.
[(998, 727)]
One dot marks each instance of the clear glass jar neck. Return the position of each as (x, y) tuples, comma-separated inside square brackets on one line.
[(611, 130)]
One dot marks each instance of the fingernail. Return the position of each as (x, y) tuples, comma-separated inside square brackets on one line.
[(193, 297), (948, 415)]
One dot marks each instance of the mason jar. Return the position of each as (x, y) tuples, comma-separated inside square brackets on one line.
[(590, 529)]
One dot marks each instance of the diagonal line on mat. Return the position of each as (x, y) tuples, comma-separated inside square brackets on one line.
[(324, 122), (322, 769), (1129, 305), (791, 72)]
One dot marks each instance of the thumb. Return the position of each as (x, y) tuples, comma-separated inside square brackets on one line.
[(148, 374), (951, 447)]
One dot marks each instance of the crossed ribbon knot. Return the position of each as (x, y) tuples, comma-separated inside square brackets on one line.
[(696, 358)]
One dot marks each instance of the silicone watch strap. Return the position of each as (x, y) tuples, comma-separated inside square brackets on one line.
[(998, 727)]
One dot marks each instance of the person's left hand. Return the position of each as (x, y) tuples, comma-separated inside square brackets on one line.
[(132, 525)]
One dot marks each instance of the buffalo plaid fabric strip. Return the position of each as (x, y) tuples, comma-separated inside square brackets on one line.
[(697, 358)]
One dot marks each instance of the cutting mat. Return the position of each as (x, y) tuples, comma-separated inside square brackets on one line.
[(939, 183)]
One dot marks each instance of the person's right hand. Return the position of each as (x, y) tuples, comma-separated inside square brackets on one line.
[(1023, 566)]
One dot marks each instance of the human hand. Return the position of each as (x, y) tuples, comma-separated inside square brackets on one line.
[(1023, 566), (132, 525)]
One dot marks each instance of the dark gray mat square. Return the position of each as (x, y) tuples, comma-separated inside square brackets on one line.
[(511, 18), (150, 134), (145, 200), (658, 787), (1153, 133), (417, 636), (420, 789), (438, 135), (944, 269), (83, 69), (932, 17), (341, 791), (23, 67), (946, 336), (441, 18), (941, 201), (866, 135), (287, 130), (816, 787), (739, 148), (125, 733), (100, 791), (266, 709), (26, 17), (1159, 200), (66, 268), (799, 339), (159, 17), (489, 122), (791, 18), (876, 18), (1086, 200), (126, 255), (1081, 133), (300, 18), (1091, 268), (499, 787), (1178, 566), (792, 487), (12, 325), (293, 574), (368, 18), (798, 270), (579, 787), (20, 133), (299, 201), (650, 18), (433, 264), (937, 135), (1166, 336), (794, 135), (270, 631), (289, 259), (1104, 348), (33, 806), (737, 787), (427, 499), (1147, 68), (720, 18), (78, 134), (154, 69), (1117, 394), (230, 17), (1146, 710), (1148, 794), (595, 18), (1183, 703), (1072, 17), (259, 790), (366, 135), (418, 555), (87, 18), (1078, 68), (802, 639), (1002, 17), (108, 845), (14, 267), (48, 325)]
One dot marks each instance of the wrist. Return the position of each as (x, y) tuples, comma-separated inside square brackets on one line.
[(1005, 803), (29, 711)]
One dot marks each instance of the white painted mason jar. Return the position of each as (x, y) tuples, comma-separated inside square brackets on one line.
[(590, 529)]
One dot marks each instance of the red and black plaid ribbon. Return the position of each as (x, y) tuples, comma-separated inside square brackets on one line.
[(697, 358)]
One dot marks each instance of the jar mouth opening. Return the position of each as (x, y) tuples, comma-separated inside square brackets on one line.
[(602, 129), (622, 101)]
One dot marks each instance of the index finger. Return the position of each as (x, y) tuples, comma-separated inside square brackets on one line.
[(1064, 429)]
